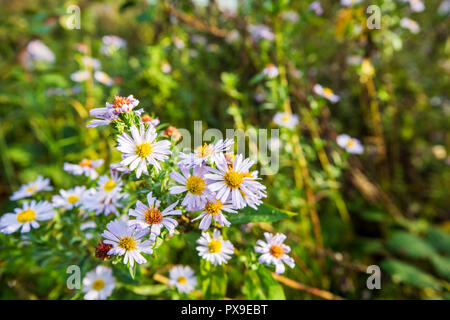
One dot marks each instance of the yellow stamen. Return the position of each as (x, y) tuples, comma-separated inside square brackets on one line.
[(233, 179), (73, 199), (195, 185), (215, 246), (327, 92), (127, 243), (31, 188), (203, 151), (85, 163), (350, 142), (213, 208), (109, 185), (153, 215), (98, 284), (285, 119), (144, 149), (182, 280), (26, 216), (276, 251)]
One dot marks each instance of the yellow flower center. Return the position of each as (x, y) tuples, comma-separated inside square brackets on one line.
[(26, 216), (85, 163), (120, 101), (182, 280), (213, 207), (195, 185), (215, 246), (327, 92), (350, 142), (276, 251), (31, 188), (233, 179), (153, 215), (285, 119), (73, 199), (127, 243), (109, 185), (204, 151), (144, 149), (98, 284)]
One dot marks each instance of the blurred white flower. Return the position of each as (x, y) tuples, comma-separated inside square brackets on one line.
[(80, 76), (270, 71), (352, 145), (111, 44), (69, 198), (410, 24), (26, 217), (260, 31), (102, 77), (416, 5), (38, 51), (29, 189), (316, 7), (286, 119), (349, 3), (183, 278), (327, 93), (98, 284), (85, 166), (91, 63), (274, 144)]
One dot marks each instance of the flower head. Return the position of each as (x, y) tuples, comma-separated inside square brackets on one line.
[(327, 93), (270, 71), (195, 186), (410, 24), (214, 249), (141, 148), (101, 251), (38, 51), (213, 210), (205, 153), (352, 145), (127, 241), (236, 182), (69, 198), (29, 189), (112, 110), (98, 284), (104, 78), (274, 251), (183, 278), (416, 5), (316, 7), (286, 119), (111, 44), (152, 217), (85, 166), (349, 3), (26, 217), (104, 201)]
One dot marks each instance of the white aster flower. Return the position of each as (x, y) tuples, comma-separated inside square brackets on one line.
[(349, 3), (444, 7), (270, 71), (274, 251), (110, 184), (260, 31), (80, 76), (213, 210), (286, 119), (91, 63), (111, 44), (69, 198), (410, 24), (29, 189), (327, 93), (85, 166), (352, 145), (140, 148), (98, 284), (214, 249), (127, 241), (416, 5), (316, 7), (166, 67), (105, 202), (151, 217), (183, 278), (206, 153), (104, 78), (26, 217), (194, 184), (38, 51), (236, 181)]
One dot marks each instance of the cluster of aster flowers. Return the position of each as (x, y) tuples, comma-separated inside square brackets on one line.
[(208, 184)]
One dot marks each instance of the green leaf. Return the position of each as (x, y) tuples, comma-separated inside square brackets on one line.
[(146, 290), (439, 240), (264, 213), (272, 289), (402, 272), (410, 245), (441, 265)]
